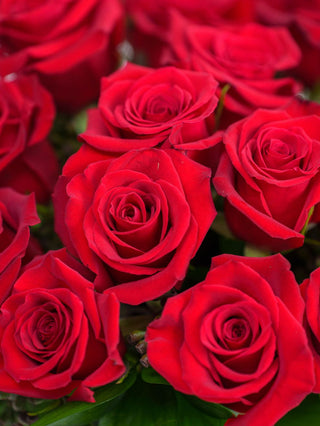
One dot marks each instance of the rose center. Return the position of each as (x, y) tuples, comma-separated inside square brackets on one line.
[(46, 329), (129, 212), (236, 331), (277, 146), (161, 108)]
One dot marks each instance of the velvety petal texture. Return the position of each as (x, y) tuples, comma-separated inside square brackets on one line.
[(226, 339), (150, 30), (270, 176), (57, 335), (142, 107), (310, 290), (27, 161), (17, 214), (303, 20), (137, 220), (247, 58), (70, 45)]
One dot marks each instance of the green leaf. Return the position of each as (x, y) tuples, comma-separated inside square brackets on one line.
[(80, 121), (147, 404), (214, 410), (3, 409), (82, 413), (189, 415), (144, 405), (307, 413), (252, 251), (149, 375), (4, 396), (315, 93), (41, 406)]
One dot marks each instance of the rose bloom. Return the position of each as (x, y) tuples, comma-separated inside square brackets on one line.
[(142, 107), (152, 17), (310, 290), (302, 17), (237, 339), (57, 335), (246, 57), (136, 221), (150, 20), (69, 44), (17, 214), (270, 175), (27, 162)]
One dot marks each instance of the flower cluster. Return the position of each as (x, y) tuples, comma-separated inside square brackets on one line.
[(202, 144)]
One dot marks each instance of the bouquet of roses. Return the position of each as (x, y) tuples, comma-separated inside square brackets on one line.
[(159, 212)]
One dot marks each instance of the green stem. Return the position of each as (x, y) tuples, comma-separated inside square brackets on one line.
[(219, 110), (312, 242)]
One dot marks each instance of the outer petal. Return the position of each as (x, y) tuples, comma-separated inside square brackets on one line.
[(232, 284)]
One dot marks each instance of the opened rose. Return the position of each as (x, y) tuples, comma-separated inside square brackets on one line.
[(136, 221), (57, 335), (237, 339), (270, 175), (139, 107)]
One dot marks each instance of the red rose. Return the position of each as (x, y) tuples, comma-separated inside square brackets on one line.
[(310, 290), (69, 44), (270, 176), (152, 17), (27, 162), (303, 19), (150, 30), (246, 57), (17, 213), (237, 339), (57, 335), (137, 220), (140, 107)]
